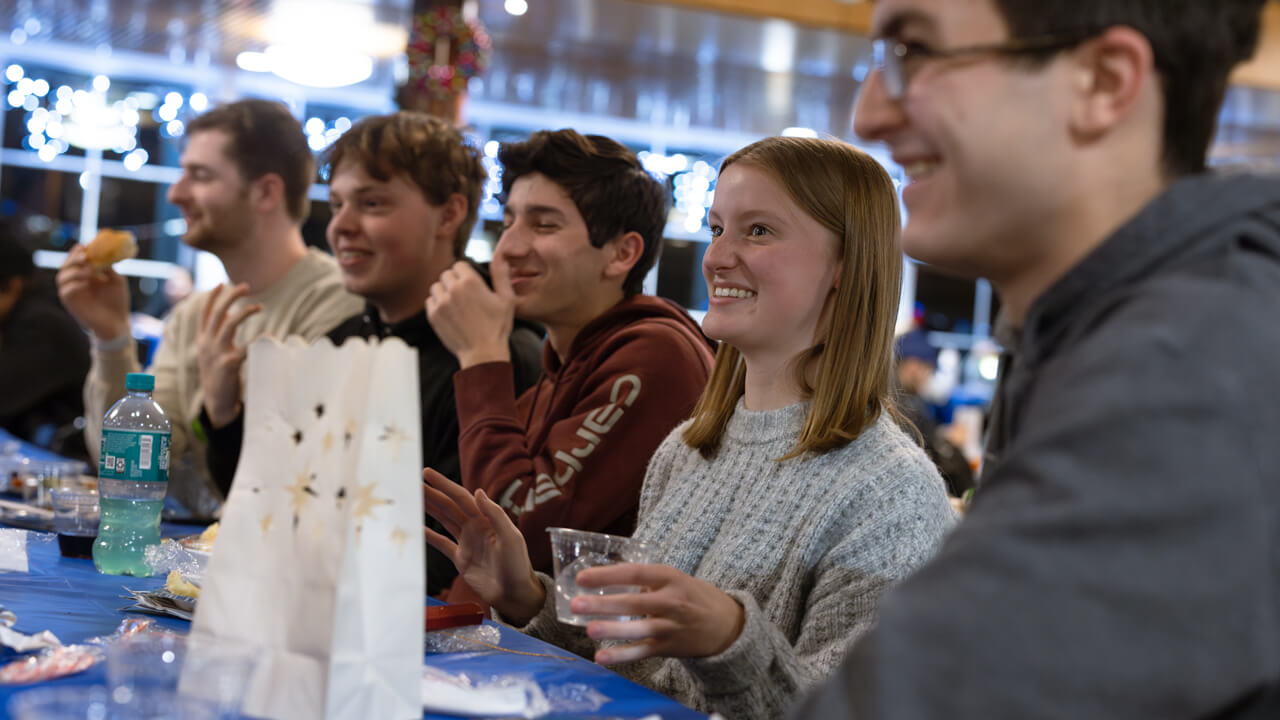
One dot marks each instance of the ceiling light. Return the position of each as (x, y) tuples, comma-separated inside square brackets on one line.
[(253, 61), (93, 125), (319, 67), (779, 43)]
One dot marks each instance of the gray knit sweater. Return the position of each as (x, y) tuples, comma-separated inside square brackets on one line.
[(807, 546)]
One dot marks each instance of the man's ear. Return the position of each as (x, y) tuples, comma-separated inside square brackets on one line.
[(267, 193), (624, 252), (1112, 73), (453, 214)]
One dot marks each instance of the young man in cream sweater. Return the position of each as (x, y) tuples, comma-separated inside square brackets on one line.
[(246, 170)]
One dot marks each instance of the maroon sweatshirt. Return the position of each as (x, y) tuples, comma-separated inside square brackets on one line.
[(572, 450)]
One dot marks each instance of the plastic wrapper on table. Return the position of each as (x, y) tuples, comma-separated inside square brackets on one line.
[(170, 555), (495, 696), (470, 638), (575, 698), (49, 664)]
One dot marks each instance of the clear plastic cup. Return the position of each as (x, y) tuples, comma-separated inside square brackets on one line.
[(150, 660), (96, 703), (219, 671), (75, 519), (212, 671), (573, 551)]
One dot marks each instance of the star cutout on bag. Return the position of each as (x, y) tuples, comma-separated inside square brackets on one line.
[(399, 537), (301, 492), (366, 502), (328, 441), (394, 437), (349, 434), (265, 524)]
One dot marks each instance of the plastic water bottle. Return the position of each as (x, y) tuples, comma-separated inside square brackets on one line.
[(133, 475)]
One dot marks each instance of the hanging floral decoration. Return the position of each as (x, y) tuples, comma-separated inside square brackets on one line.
[(445, 51)]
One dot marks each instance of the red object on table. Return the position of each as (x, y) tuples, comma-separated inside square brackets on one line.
[(440, 617)]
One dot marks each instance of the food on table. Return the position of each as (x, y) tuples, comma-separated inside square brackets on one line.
[(203, 542), (179, 585), (209, 535), (109, 247)]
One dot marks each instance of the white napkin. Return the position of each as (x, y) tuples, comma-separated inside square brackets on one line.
[(24, 643), (450, 694), (13, 550)]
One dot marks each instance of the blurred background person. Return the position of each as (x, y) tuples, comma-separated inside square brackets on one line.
[(176, 287), (44, 355), (917, 360)]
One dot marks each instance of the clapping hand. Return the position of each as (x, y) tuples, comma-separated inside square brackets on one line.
[(218, 355), (683, 616)]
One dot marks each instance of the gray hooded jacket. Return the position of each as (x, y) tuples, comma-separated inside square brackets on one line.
[(1122, 555)]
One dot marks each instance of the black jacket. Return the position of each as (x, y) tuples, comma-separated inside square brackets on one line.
[(436, 366), (1122, 555)]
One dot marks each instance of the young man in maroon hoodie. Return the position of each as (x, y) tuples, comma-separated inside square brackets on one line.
[(582, 223)]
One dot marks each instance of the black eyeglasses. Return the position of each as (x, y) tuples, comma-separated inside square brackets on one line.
[(891, 56)]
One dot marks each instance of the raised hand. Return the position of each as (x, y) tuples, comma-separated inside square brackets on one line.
[(684, 616), (471, 320), (97, 299), (489, 550), (218, 355)]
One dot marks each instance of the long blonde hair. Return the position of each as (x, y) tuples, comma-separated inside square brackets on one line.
[(851, 195)]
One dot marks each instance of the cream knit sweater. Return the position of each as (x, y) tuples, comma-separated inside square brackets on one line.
[(807, 546)]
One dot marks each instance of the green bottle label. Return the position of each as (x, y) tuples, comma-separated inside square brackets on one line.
[(134, 455)]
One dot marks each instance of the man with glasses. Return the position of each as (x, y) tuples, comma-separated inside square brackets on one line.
[(1121, 558)]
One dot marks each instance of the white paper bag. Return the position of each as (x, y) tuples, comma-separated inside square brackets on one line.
[(319, 558)]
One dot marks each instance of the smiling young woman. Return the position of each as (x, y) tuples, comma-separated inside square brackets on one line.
[(844, 369), (789, 504)]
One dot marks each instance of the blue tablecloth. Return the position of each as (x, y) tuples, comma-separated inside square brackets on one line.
[(35, 452), (69, 597)]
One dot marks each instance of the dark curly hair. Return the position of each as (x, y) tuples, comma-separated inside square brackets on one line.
[(606, 182)]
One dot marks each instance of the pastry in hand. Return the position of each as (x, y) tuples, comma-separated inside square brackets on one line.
[(109, 247)]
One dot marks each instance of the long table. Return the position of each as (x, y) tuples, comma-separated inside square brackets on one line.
[(69, 597)]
